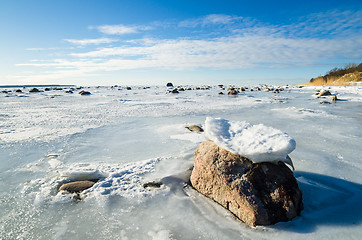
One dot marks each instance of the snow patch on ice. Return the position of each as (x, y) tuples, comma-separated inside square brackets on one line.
[(124, 180), (259, 143)]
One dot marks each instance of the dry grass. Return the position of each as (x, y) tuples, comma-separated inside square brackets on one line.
[(351, 75)]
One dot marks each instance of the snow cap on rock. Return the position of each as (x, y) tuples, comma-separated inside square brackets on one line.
[(259, 143)]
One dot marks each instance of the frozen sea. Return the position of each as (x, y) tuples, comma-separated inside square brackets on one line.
[(126, 138)]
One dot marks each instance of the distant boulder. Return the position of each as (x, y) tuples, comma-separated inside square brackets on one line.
[(18, 91), (333, 98), (257, 193), (324, 93), (84, 92), (169, 84), (76, 187), (34, 90), (174, 91), (233, 92)]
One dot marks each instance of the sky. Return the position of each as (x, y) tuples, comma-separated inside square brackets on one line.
[(145, 42)]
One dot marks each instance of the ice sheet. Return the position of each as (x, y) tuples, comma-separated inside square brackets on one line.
[(125, 138)]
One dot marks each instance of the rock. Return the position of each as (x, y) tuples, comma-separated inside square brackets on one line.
[(69, 91), (221, 93), (220, 86), (181, 89), (47, 89), (174, 91), (76, 187), (152, 185), (195, 128), (233, 92), (169, 84), (84, 92), (333, 98), (34, 90), (324, 93), (18, 91), (257, 193), (128, 88)]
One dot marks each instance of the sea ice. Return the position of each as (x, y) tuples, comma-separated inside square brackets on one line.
[(259, 143)]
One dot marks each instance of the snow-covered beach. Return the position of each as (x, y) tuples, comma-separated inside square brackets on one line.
[(126, 138)]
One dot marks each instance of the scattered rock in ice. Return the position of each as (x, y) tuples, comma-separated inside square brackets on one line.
[(259, 143), (152, 184), (233, 92), (33, 90), (84, 92), (195, 128), (78, 186), (333, 98), (324, 93)]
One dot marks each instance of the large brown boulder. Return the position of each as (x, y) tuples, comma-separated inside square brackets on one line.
[(257, 193)]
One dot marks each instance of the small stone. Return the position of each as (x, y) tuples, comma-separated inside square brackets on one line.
[(333, 98), (76, 187), (195, 128), (152, 185), (169, 84)]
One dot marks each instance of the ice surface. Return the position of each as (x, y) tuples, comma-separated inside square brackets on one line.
[(259, 143), (125, 138)]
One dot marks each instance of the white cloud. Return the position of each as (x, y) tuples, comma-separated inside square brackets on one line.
[(90, 41)]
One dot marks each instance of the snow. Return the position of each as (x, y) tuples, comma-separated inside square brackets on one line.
[(259, 143)]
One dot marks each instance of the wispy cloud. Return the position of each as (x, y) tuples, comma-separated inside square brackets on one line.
[(212, 19), (95, 41), (119, 29)]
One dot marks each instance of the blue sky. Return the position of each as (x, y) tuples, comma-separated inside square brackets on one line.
[(139, 42)]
